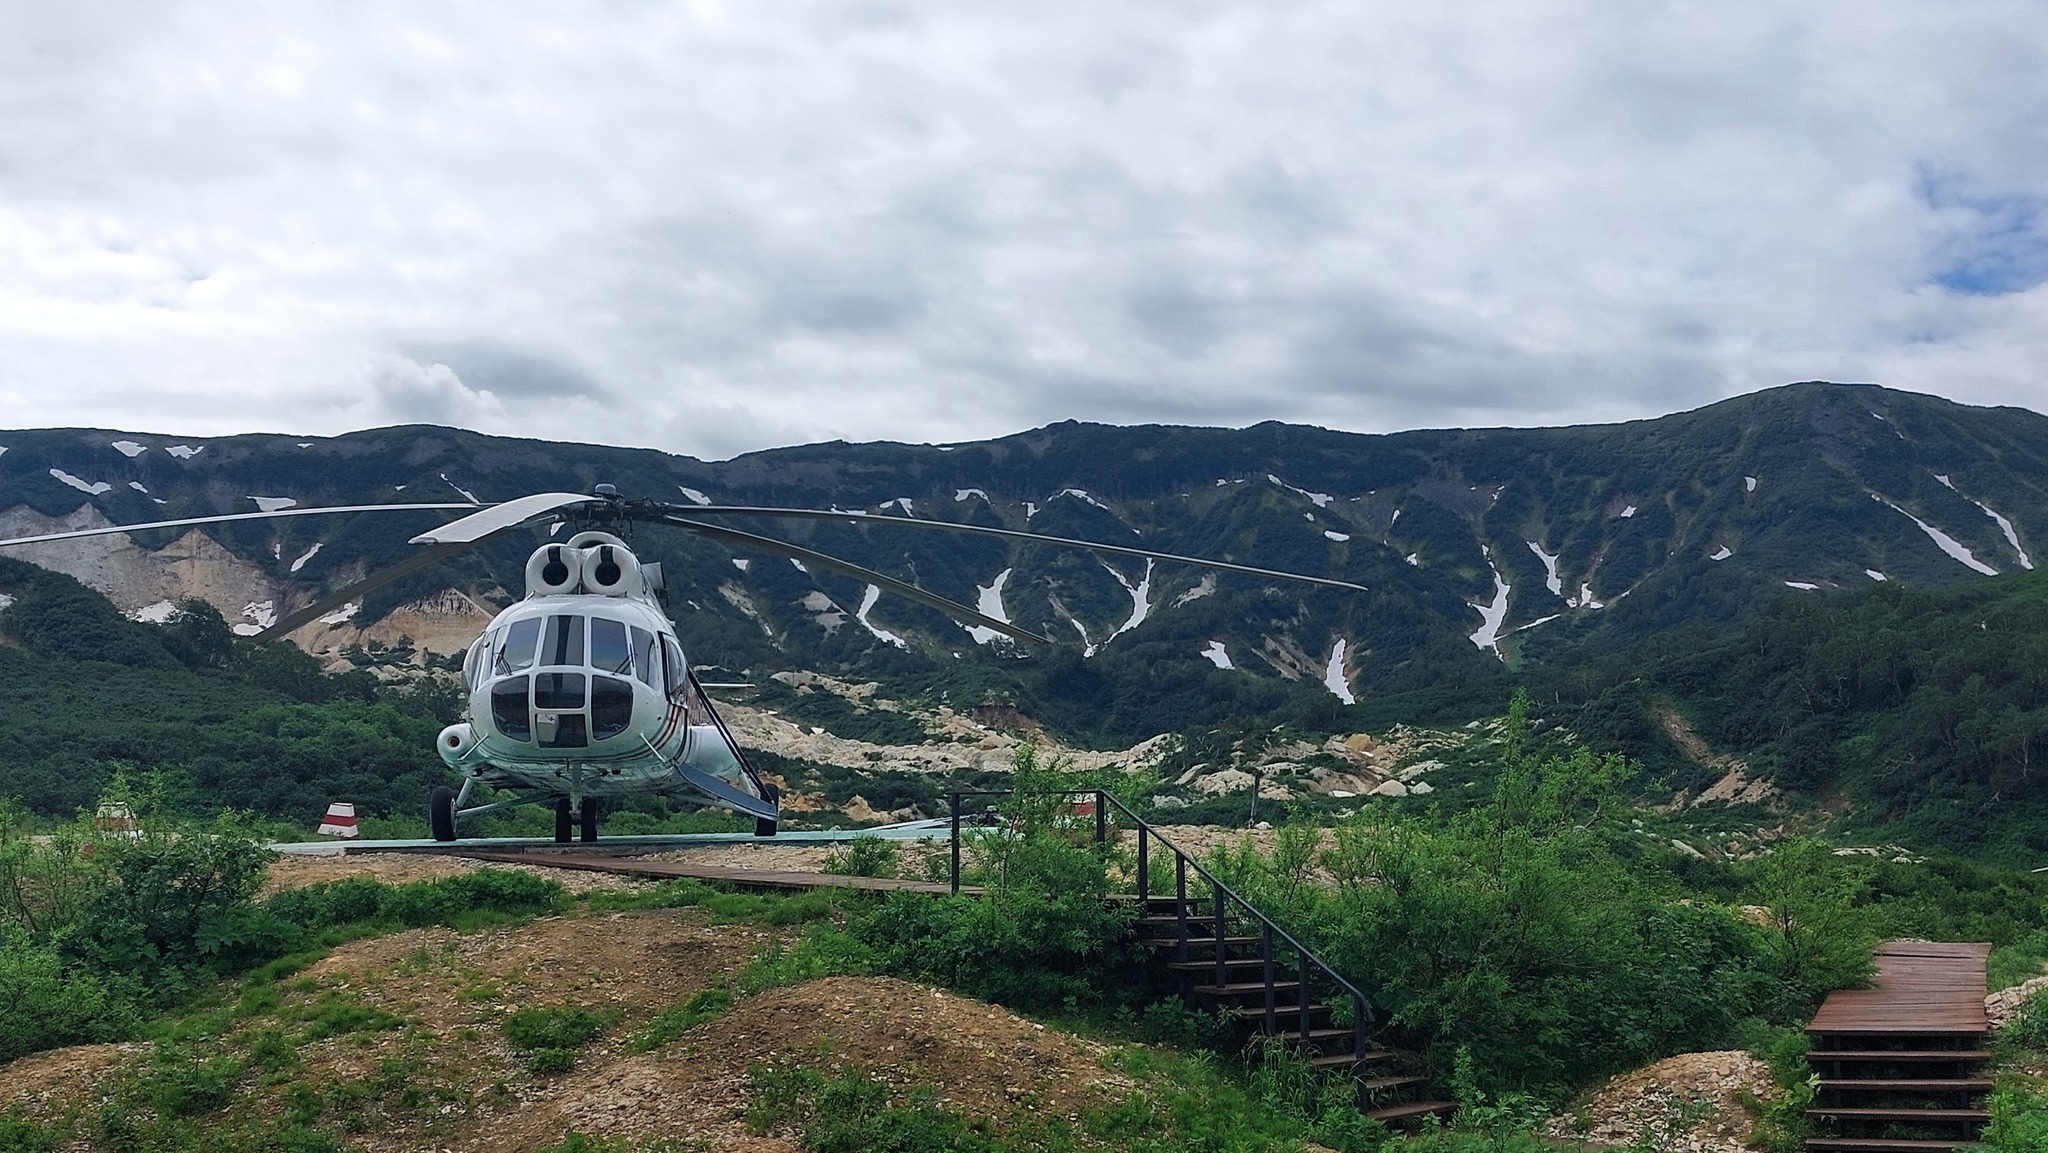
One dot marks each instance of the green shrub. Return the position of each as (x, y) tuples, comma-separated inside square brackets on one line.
[(42, 1005), (676, 1020), (863, 857), (550, 1037)]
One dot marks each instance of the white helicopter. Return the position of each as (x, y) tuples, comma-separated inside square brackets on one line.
[(581, 692)]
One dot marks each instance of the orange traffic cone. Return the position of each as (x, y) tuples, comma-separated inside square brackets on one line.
[(340, 820)]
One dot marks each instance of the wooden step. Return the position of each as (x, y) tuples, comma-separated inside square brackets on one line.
[(1241, 988), (1375, 1084), (1228, 963), (1290, 1008), (1903, 1055), (1928, 1115), (1884, 1145), (1346, 1060), (1409, 1110), (1170, 919), (1297, 1037), (1203, 942), (1891, 1085)]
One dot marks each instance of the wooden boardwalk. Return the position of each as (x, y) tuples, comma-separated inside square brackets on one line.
[(1901, 1062), (1921, 987), (743, 878)]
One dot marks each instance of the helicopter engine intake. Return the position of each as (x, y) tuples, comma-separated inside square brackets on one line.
[(554, 569)]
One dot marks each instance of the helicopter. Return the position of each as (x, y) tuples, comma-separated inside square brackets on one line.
[(580, 692)]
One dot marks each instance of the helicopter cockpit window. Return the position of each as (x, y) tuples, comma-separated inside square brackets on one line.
[(611, 707), (508, 709), (610, 649), (473, 663), (645, 659), (678, 672), (563, 644), (517, 651)]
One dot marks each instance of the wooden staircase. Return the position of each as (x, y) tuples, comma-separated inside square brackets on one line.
[(1901, 1064), (1227, 957)]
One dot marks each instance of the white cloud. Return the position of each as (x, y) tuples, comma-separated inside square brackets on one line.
[(714, 226)]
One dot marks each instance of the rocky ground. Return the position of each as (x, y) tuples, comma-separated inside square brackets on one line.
[(1691, 1103)]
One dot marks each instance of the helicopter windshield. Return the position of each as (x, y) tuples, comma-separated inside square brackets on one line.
[(610, 648)]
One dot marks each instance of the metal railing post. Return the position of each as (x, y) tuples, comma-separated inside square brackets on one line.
[(1222, 969), (1101, 818), (953, 799), (1303, 991), (1144, 873), (1272, 1008), (1180, 902)]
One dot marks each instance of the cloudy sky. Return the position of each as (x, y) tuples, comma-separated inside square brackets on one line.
[(716, 226)]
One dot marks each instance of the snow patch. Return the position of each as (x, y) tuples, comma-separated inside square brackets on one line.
[(273, 503), (1945, 481), (1551, 580), (1585, 598), (6, 598), (867, 603), (1948, 544), (1219, 656), (1141, 600), (1319, 499), (1414, 558), (306, 556), (694, 496), (1395, 519), (2012, 538), (902, 501), (305, 444), (799, 566), (1722, 553), (1628, 512), (466, 494), (1336, 536), (1333, 674), (1802, 585), (155, 614), (95, 488), (137, 486), (1492, 616), (1082, 494), (1875, 575), (1537, 621), (1030, 510), (742, 563), (184, 451), (988, 601), (344, 613), (261, 614), (961, 494), (129, 448), (1749, 484)]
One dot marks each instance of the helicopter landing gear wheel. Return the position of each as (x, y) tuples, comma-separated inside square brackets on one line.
[(441, 813), (763, 827), (562, 820), (592, 811)]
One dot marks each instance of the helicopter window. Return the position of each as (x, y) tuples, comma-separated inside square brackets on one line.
[(609, 650), (563, 644), (557, 691), (517, 652), (678, 672), (645, 660), (611, 707), (473, 664), (508, 709), (569, 731)]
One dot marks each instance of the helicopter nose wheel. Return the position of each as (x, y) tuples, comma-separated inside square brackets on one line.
[(568, 822), (441, 813)]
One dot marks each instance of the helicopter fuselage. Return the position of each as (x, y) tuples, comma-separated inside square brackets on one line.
[(582, 690)]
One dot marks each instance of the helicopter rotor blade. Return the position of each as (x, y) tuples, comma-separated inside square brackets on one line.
[(425, 558), (109, 530), (500, 517), (1012, 534), (908, 591)]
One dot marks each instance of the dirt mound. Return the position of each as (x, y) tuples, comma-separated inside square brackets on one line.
[(59, 1076), (980, 1059), (297, 872), (1691, 1103)]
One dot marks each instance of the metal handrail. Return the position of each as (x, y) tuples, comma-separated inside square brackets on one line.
[(1362, 1013)]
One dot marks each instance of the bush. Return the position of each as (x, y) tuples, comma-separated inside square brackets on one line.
[(863, 857), (43, 1006), (550, 1037)]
